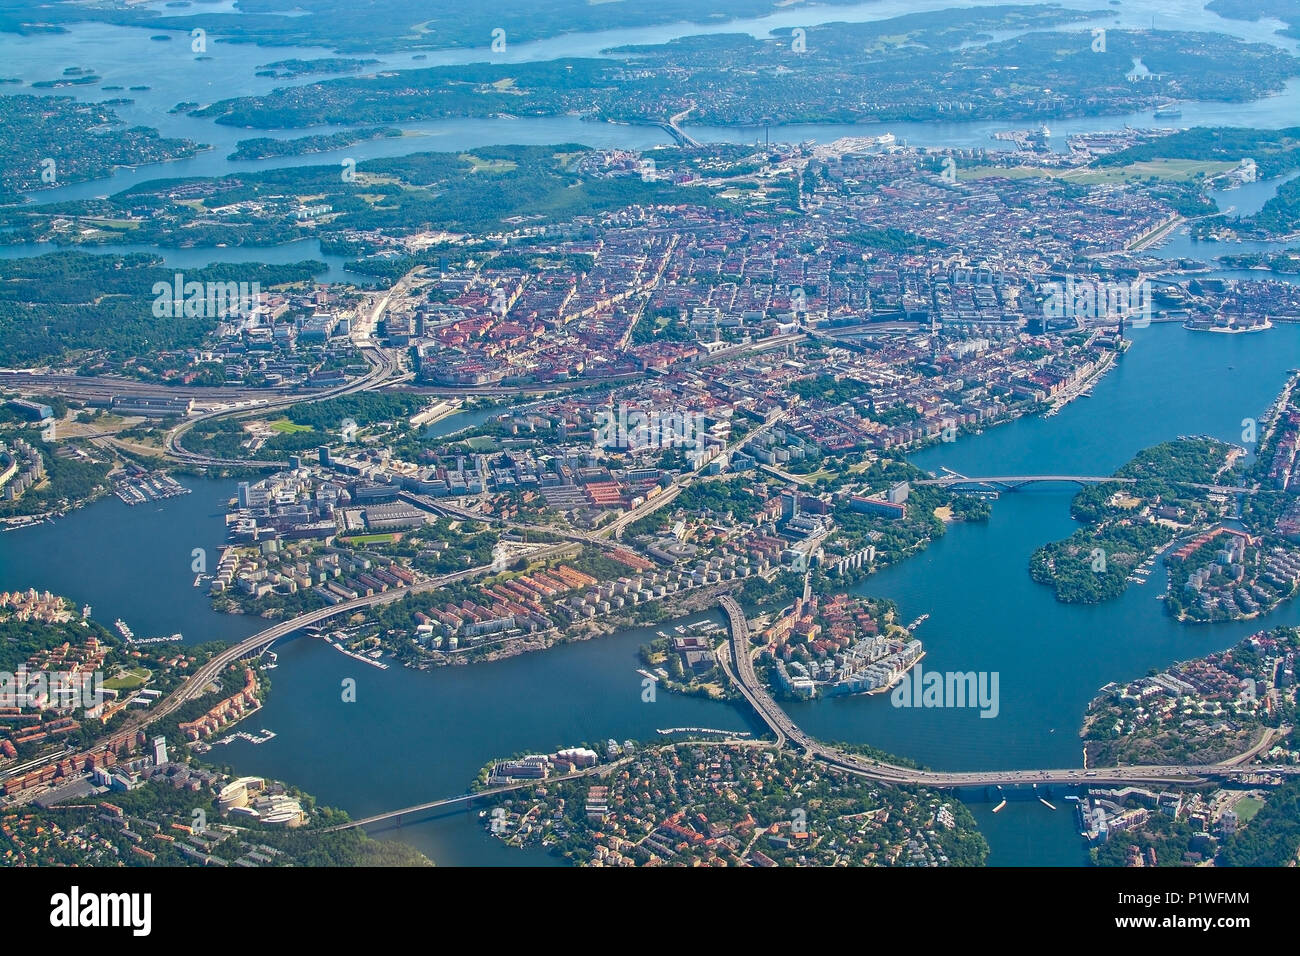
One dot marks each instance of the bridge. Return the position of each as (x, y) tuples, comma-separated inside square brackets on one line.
[(674, 128), (785, 730), (737, 662), (397, 817), (196, 684), (1016, 482)]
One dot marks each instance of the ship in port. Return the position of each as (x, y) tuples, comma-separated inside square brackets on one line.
[(1169, 110)]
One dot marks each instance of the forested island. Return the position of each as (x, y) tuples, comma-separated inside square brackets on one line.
[(814, 77), (271, 148), (1127, 522)]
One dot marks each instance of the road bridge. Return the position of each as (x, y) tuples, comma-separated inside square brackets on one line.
[(1016, 482), (196, 684), (785, 730)]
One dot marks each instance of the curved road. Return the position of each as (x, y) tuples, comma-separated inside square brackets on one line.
[(195, 685), (786, 730), (384, 368)]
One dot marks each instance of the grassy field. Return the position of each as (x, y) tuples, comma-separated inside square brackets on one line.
[(480, 165), (132, 679), (1173, 170), (286, 427), (363, 539), (1247, 807)]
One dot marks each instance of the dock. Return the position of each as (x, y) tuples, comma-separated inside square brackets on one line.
[(140, 489), (261, 738), (355, 656), (1046, 804), (703, 730), (169, 639)]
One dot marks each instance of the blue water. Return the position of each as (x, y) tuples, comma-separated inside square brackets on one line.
[(412, 737)]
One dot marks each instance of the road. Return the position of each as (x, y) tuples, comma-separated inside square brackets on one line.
[(787, 731), (384, 369), (615, 528), (1015, 482), (195, 685)]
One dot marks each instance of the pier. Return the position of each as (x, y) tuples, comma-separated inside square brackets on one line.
[(704, 730), (355, 656)]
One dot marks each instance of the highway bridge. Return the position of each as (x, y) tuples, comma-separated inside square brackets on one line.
[(674, 127), (196, 684), (787, 731), (1016, 482)]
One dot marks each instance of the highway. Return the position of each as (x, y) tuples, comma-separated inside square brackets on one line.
[(104, 387), (1015, 482), (441, 506), (195, 685), (384, 369), (787, 731)]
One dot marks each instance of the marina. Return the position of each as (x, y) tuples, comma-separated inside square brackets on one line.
[(259, 738), (144, 488), (363, 658), (703, 730), (169, 639)]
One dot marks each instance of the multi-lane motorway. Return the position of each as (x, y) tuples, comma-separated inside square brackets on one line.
[(196, 684), (787, 731), (385, 368)]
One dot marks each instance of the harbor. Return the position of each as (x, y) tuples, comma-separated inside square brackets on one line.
[(169, 639), (371, 658), (139, 489), (260, 737), (128, 635), (703, 730)]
